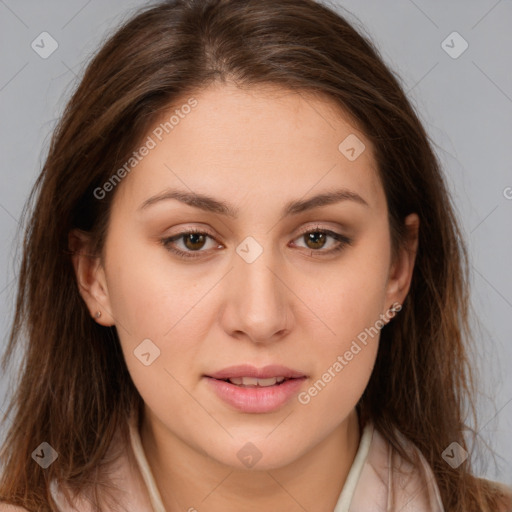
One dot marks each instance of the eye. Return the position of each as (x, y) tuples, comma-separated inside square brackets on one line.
[(193, 240), (315, 239)]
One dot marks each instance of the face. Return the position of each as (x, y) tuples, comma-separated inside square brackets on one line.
[(268, 278)]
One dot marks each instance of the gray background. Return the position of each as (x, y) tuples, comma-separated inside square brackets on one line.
[(465, 104)]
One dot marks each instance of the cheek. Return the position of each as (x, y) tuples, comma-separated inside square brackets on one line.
[(344, 358), (335, 391), (149, 294), (350, 305), (154, 299), (351, 293)]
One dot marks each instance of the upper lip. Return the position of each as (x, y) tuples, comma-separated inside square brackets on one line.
[(246, 370)]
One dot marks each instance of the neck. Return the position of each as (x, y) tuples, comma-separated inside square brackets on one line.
[(190, 480)]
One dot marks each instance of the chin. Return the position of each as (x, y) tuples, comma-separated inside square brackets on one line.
[(257, 456)]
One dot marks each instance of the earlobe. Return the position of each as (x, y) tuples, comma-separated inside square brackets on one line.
[(401, 271), (90, 276)]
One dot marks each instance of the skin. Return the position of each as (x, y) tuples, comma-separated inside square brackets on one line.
[(256, 149)]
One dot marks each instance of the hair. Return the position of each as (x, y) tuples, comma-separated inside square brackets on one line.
[(74, 390)]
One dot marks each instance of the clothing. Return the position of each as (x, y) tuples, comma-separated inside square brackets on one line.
[(373, 483)]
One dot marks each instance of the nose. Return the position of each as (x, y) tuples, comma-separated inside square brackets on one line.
[(257, 304)]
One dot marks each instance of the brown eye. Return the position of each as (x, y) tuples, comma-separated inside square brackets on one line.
[(194, 241), (315, 239)]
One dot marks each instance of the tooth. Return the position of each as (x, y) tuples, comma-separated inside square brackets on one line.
[(266, 382), (252, 381)]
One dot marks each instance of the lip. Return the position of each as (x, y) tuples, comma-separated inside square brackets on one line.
[(246, 370), (256, 399)]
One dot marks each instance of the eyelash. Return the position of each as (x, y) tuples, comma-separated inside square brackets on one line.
[(166, 242)]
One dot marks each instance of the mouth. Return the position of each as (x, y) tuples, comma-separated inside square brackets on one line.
[(252, 390), (246, 375), (252, 382)]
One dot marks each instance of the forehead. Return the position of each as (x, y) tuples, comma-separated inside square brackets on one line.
[(256, 142)]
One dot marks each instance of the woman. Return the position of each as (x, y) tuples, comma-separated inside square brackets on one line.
[(243, 282)]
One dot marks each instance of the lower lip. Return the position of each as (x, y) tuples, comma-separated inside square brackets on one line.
[(256, 399)]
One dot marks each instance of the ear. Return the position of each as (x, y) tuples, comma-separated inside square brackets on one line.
[(400, 274), (90, 277)]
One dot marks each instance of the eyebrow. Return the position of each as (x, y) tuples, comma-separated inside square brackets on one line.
[(210, 204)]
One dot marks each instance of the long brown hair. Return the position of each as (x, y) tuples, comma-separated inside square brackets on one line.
[(74, 390)]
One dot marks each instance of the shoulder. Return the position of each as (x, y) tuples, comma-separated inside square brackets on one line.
[(394, 481), (4, 507), (409, 484), (118, 486), (505, 502)]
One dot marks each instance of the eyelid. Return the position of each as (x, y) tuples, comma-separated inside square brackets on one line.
[(342, 240), (166, 241), (316, 226)]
